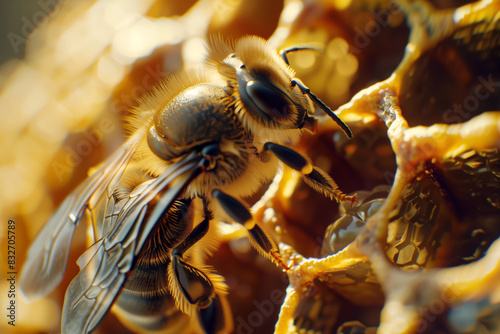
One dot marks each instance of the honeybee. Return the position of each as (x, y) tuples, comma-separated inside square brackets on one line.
[(202, 141)]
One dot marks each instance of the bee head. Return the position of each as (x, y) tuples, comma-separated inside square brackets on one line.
[(268, 95), (265, 94)]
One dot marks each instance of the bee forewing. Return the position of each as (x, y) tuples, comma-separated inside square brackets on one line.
[(104, 215), (105, 264), (92, 291), (184, 170), (47, 257)]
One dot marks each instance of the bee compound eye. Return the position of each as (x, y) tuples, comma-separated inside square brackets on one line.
[(271, 101), (195, 285)]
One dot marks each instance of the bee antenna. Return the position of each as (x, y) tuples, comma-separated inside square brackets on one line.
[(305, 90), (284, 52)]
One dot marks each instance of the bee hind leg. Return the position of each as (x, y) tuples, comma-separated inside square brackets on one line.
[(261, 241), (196, 287), (313, 176), (210, 317)]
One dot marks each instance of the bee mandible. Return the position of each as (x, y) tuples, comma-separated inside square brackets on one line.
[(211, 136)]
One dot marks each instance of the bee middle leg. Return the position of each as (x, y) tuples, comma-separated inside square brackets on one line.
[(261, 241)]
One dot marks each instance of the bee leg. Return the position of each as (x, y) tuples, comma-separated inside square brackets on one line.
[(212, 317), (313, 176), (305, 90), (259, 238), (196, 287), (194, 283)]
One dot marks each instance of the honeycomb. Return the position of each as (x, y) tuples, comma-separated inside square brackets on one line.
[(418, 82)]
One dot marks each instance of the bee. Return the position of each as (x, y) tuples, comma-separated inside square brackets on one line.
[(200, 143)]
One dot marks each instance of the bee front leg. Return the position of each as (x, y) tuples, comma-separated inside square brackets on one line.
[(313, 176), (259, 238)]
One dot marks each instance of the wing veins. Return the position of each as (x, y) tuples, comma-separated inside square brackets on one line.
[(128, 235)]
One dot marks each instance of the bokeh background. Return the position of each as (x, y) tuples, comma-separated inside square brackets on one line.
[(62, 109), (12, 14)]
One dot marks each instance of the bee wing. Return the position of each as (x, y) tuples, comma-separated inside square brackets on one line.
[(46, 261), (104, 266)]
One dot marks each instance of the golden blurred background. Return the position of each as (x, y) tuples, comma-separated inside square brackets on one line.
[(62, 108)]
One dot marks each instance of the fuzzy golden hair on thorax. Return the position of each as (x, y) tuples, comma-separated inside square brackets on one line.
[(143, 115)]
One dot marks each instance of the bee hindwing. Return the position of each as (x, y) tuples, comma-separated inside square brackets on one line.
[(46, 261)]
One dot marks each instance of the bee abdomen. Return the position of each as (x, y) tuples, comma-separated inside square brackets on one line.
[(146, 291)]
